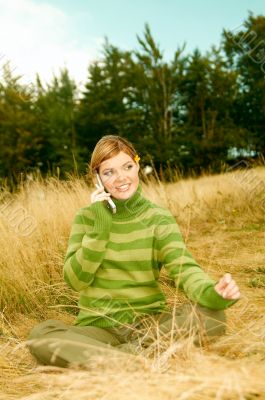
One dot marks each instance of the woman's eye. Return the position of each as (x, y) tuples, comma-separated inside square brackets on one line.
[(108, 173)]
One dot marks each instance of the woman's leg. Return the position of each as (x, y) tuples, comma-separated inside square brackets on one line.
[(189, 319), (205, 324), (54, 343)]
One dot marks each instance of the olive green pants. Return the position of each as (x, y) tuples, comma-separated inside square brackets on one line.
[(54, 343)]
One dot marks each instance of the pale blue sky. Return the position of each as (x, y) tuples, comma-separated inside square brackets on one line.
[(198, 22), (45, 35)]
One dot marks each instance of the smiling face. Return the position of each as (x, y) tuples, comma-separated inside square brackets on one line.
[(119, 175)]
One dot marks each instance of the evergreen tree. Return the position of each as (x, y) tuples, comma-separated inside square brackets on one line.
[(245, 49), (155, 94), (208, 90), (18, 144), (102, 109), (55, 110)]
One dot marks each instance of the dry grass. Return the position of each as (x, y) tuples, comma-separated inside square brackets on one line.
[(222, 220)]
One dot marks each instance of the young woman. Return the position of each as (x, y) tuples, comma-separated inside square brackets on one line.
[(114, 259)]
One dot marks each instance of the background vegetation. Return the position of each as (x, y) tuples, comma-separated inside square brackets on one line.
[(197, 111)]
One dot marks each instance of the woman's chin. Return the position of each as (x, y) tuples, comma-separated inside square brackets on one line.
[(124, 195)]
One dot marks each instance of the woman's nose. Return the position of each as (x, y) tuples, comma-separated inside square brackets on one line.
[(120, 176)]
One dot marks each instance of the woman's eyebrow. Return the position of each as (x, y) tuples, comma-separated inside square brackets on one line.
[(106, 169)]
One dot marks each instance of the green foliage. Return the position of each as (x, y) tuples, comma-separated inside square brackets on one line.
[(192, 113), (208, 90), (245, 50), (55, 108), (18, 143), (101, 109)]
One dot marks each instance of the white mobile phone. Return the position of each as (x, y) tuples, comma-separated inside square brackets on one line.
[(110, 201)]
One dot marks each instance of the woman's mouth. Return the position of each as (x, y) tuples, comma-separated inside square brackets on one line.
[(123, 188)]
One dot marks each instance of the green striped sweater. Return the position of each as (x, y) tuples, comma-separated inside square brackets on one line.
[(114, 261)]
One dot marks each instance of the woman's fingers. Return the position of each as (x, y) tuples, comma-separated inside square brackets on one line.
[(230, 286), (99, 195), (233, 293), (224, 281), (227, 287)]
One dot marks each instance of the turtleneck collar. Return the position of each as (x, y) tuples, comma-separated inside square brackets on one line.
[(132, 206)]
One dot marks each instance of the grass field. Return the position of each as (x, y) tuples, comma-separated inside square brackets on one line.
[(222, 218)]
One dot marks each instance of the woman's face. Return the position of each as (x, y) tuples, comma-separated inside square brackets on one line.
[(119, 175)]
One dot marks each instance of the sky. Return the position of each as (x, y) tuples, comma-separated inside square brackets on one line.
[(45, 36)]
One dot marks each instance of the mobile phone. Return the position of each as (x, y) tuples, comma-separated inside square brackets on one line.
[(112, 205)]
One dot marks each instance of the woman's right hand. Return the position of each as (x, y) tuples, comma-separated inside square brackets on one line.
[(99, 195)]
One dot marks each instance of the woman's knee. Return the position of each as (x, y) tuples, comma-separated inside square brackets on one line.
[(39, 343), (208, 322), (45, 327), (214, 321)]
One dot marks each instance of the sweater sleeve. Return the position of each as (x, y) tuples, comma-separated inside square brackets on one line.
[(86, 245), (183, 269)]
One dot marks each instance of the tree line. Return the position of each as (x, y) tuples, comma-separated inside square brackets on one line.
[(195, 112)]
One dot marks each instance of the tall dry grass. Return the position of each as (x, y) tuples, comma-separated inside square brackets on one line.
[(222, 221)]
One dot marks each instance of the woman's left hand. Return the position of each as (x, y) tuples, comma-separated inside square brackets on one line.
[(227, 288)]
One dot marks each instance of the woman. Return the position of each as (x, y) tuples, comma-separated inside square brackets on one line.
[(114, 260)]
